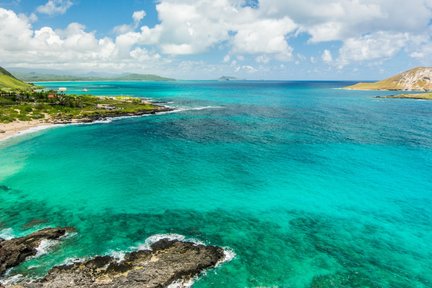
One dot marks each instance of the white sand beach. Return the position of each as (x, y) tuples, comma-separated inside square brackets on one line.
[(9, 130)]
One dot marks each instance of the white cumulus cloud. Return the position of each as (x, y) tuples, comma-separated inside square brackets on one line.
[(378, 46), (355, 31), (53, 7)]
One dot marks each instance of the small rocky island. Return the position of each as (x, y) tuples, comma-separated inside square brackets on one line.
[(166, 262)]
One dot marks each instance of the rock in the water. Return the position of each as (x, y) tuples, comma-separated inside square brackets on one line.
[(169, 261), (4, 188), (15, 251)]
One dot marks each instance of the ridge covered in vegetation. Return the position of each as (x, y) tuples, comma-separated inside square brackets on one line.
[(8, 81)]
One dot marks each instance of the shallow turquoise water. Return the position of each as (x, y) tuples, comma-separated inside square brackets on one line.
[(311, 186)]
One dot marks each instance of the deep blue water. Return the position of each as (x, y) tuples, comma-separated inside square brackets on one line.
[(309, 185)]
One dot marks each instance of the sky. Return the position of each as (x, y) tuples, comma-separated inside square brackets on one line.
[(205, 39)]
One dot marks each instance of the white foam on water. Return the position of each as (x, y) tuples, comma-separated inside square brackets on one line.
[(155, 238), (70, 234), (11, 280), (119, 256), (7, 234), (71, 261), (229, 255), (182, 283), (183, 109), (30, 131), (45, 247), (35, 129)]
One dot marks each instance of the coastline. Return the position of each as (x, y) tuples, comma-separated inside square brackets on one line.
[(19, 128), (419, 96)]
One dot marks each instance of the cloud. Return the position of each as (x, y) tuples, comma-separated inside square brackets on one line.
[(246, 68), (262, 33), (377, 46), (137, 16), (53, 7), (370, 30), (264, 36), (205, 23), (342, 19), (327, 56)]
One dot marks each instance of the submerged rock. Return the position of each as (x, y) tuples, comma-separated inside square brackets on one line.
[(4, 188), (168, 261), (15, 251)]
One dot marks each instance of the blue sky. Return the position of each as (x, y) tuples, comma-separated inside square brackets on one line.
[(204, 39)]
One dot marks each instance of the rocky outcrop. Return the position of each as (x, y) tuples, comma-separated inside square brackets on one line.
[(111, 114), (417, 79), (416, 96), (168, 261), (15, 251)]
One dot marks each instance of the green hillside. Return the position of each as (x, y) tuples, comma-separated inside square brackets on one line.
[(8, 81)]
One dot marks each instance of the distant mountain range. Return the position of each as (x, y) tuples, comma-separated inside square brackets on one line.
[(54, 75), (416, 79), (8, 81)]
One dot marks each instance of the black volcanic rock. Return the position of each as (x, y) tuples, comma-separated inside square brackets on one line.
[(15, 251), (169, 261)]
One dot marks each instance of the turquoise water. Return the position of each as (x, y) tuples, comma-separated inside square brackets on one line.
[(309, 185)]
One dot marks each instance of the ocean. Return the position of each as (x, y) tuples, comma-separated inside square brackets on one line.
[(309, 185)]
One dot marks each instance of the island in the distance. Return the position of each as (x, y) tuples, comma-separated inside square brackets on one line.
[(417, 80), (24, 106)]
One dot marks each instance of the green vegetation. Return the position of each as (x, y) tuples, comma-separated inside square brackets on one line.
[(8, 81), (19, 101), (26, 106)]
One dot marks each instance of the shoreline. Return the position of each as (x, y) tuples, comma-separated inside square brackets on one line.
[(416, 96), (19, 128)]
